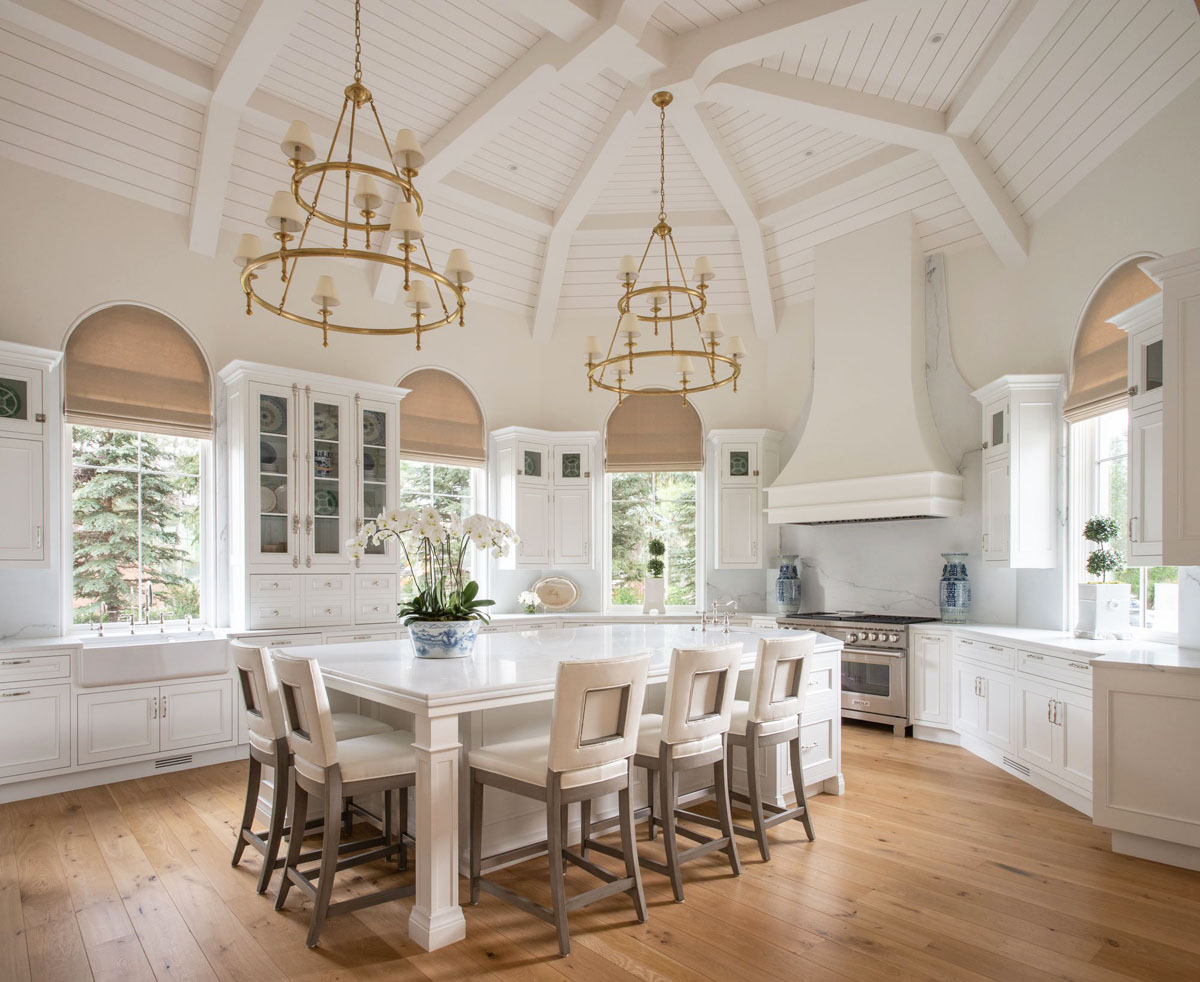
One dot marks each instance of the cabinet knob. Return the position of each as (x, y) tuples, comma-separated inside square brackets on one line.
[(39, 417), (1133, 390)]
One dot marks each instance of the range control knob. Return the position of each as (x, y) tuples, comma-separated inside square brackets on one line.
[(869, 636), (851, 638), (893, 638)]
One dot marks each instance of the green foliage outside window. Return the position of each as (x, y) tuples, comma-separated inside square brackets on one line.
[(653, 505), (441, 486)]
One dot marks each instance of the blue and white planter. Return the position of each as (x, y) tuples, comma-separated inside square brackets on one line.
[(954, 591), (443, 639), (787, 585)]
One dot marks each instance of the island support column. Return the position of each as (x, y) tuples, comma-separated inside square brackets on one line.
[(437, 919)]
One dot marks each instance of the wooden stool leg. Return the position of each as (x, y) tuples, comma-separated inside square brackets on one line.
[(558, 889), (652, 801), (348, 819), (331, 840), (279, 803), (253, 780), (666, 780), (752, 792), (725, 814), (387, 817), (798, 787), (585, 825), (299, 798), (402, 820), (476, 836), (629, 848)]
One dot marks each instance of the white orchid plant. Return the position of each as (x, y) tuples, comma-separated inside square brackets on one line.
[(435, 549), (529, 600)]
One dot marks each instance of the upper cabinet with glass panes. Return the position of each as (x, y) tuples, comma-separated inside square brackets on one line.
[(572, 465), (1143, 322), (376, 471), (22, 384)]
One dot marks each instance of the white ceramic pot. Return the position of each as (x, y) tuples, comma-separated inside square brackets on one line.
[(654, 595), (443, 639), (1103, 611)]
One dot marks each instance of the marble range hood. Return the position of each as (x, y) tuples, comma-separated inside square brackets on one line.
[(870, 450)]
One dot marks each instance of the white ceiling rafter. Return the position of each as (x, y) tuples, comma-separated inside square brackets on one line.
[(791, 97), (260, 31)]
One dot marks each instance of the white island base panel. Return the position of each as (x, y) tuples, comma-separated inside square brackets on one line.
[(505, 692)]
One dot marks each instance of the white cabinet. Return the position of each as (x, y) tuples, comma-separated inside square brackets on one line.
[(151, 719), (22, 501), (23, 388), (983, 703), (741, 464), (1143, 322), (931, 685), (1055, 730), (35, 728), (1021, 429), (545, 486)]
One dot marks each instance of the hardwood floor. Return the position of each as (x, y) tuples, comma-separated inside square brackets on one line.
[(934, 865)]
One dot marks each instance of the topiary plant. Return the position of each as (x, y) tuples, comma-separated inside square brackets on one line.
[(1102, 560), (655, 564)]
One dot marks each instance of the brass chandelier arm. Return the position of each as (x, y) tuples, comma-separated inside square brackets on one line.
[(596, 372), (623, 302), (327, 166)]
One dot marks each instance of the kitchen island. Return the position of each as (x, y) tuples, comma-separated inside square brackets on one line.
[(504, 692)]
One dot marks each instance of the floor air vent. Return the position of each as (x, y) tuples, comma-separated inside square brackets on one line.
[(172, 761), (1014, 765)]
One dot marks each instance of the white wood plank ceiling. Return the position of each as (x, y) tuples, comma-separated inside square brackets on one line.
[(793, 123)]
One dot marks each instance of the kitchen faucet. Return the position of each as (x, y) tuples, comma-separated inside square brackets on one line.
[(731, 603)]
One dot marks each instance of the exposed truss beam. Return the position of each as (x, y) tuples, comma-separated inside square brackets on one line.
[(869, 169), (566, 19), (699, 134), (262, 29), (803, 100), (1025, 28), (631, 113)]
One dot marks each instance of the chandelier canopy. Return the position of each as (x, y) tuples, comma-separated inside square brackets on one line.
[(668, 305), (320, 196)]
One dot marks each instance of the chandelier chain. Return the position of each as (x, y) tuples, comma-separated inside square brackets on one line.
[(358, 40), (662, 163)]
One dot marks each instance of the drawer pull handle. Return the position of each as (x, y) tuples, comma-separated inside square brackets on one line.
[(1081, 667), (1032, 657), (361, 637), (329, 610), (814, 683), (807, 746), (274, 613), (995, 647), (10, 695), (274, 586), (16, 661), (328, 585)]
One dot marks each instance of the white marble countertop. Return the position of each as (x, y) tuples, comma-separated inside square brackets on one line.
[(514, 666)]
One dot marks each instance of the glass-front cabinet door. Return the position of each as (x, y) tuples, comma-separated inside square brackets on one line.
[(375, 475), (21, 400), (739, 464), (572, 465), (274, 496), (533, 463), (995, 429), (331, 447), (1145, 368)]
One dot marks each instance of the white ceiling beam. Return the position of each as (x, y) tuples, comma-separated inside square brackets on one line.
[(871, 169), (803, 100), (261, 31), (566, 19), (629, 116), (1024, 29), (699, 134)]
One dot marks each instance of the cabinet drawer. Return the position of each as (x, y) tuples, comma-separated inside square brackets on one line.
[(35, 728), (321, 586), (281, 640), (817, 746), (328, 610), (1075, 671), (16, 667), (821, 680), (263, 587), (285, 613), (365, 583), (361, 636), (986, 652), (370, 610)]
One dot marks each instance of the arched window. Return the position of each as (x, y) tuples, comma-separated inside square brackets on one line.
[(653, 433), (133, 368), (1099, 381), (441, 421)]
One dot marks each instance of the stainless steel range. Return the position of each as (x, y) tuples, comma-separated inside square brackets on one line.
[(874, 661)]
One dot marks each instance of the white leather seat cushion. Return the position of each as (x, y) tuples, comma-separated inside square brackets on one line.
[(347, 726), (650, 735), (367, 757), (525, 760), (741, 715)]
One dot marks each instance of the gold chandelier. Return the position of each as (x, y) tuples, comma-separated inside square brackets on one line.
[(668, 305), (436, 298)]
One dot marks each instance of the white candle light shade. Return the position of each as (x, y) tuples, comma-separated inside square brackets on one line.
[(684, 366), (593, 346), (297, 143), (702, 272), (710, 326), (405, 223), (627, 270), (659, 296), (458, 267), (249, 247), (629, 325), (285, 211), (406, 151), (418, 296), (736, 347), (325, 294), (366, 194)]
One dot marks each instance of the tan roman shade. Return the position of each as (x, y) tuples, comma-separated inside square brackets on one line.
[(1100, 365), (654, 433), (440, 420), (132, 368)]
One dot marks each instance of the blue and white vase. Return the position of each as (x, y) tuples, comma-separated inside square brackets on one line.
[(954, 591), (787, 585), (443, 639)]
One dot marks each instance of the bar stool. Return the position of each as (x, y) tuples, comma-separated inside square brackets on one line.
[(773, 715), (268, 748), (689, 734), (333, 770), (588, 753)]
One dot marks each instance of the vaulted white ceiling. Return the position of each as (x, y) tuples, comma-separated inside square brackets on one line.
[(793, 122)]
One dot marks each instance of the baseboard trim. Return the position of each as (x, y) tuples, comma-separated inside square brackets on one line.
[(1156, 850)]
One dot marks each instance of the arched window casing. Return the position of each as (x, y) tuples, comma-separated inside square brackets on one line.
[(441, 421)]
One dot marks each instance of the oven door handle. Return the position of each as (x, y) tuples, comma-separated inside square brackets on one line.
[(872, 652)]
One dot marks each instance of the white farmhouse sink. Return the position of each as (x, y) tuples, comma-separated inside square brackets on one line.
[(151, 658)]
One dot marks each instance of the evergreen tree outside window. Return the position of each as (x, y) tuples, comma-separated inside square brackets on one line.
[(647, 505), (136, 525), (448, 488)]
